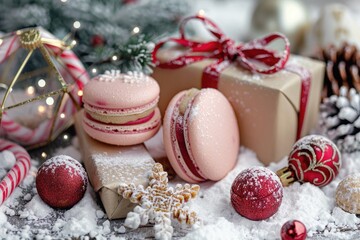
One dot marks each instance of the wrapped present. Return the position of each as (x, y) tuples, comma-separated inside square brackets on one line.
[(108, 166), (275, 97)]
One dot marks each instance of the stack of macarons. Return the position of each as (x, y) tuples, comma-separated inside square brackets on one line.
[(121, 109), (200, 131)]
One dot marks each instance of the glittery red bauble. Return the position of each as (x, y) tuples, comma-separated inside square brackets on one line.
[(97, 41), (256, 193), (293, 230), (315, 159), (61, 182)]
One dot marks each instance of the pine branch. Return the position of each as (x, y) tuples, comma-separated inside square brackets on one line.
[(134, 55), (111, 20)]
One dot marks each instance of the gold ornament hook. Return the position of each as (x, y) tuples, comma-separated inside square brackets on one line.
[(286, 176), (30, 39)]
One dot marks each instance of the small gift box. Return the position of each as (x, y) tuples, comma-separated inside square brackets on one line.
[(275, 97), (108, 166)]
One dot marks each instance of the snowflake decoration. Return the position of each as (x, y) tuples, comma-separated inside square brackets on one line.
[(158, 203)]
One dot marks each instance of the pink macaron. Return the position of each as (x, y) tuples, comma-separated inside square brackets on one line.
[(201, 135), (121, 109)]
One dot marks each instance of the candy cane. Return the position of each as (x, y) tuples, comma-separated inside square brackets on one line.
[(8, 46), (14, 177), (24, 135)]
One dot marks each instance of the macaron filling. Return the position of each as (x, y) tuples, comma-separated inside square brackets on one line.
[(120, 111), (122, 115), (122, 129), (130, 123), (181, 145)]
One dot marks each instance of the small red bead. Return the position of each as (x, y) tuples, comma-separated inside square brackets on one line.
[(97, 41), (293, 230), (125, 2)]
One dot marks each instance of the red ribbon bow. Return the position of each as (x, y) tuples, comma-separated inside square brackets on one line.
[(253, 56), (226, 51)]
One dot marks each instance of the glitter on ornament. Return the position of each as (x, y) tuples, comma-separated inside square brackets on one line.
[(293, 230), (314, 159), (158, 203), (256, 193), (61, 182)]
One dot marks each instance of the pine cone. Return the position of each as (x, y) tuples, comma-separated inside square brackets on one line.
[(340, 119), (342, 68)]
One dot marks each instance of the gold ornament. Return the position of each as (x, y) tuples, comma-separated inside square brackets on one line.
[(30, 39), (159, 202), (289, 17), (348, 194), (40, 86)]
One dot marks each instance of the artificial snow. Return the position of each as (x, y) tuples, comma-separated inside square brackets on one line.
[(7, 159), (314, 206), (73, 166), (36, 209)]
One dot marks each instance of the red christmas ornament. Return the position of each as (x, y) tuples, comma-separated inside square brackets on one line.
[(256, 193), (293, 230), (97, 41), (314, 159), (61, 182), (126, 2)]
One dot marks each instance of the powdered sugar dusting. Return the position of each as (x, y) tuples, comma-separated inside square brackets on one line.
[(129, 163), (320, 141), (256, 178), (314, 206), (348, 193), (116, 75), (7, 160), (71, 165), (25, 216), (36, 209), (256, 173)]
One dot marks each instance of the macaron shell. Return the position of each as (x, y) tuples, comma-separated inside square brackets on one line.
[(122, 135), (212, 134), (121, 91), (169, 142)]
